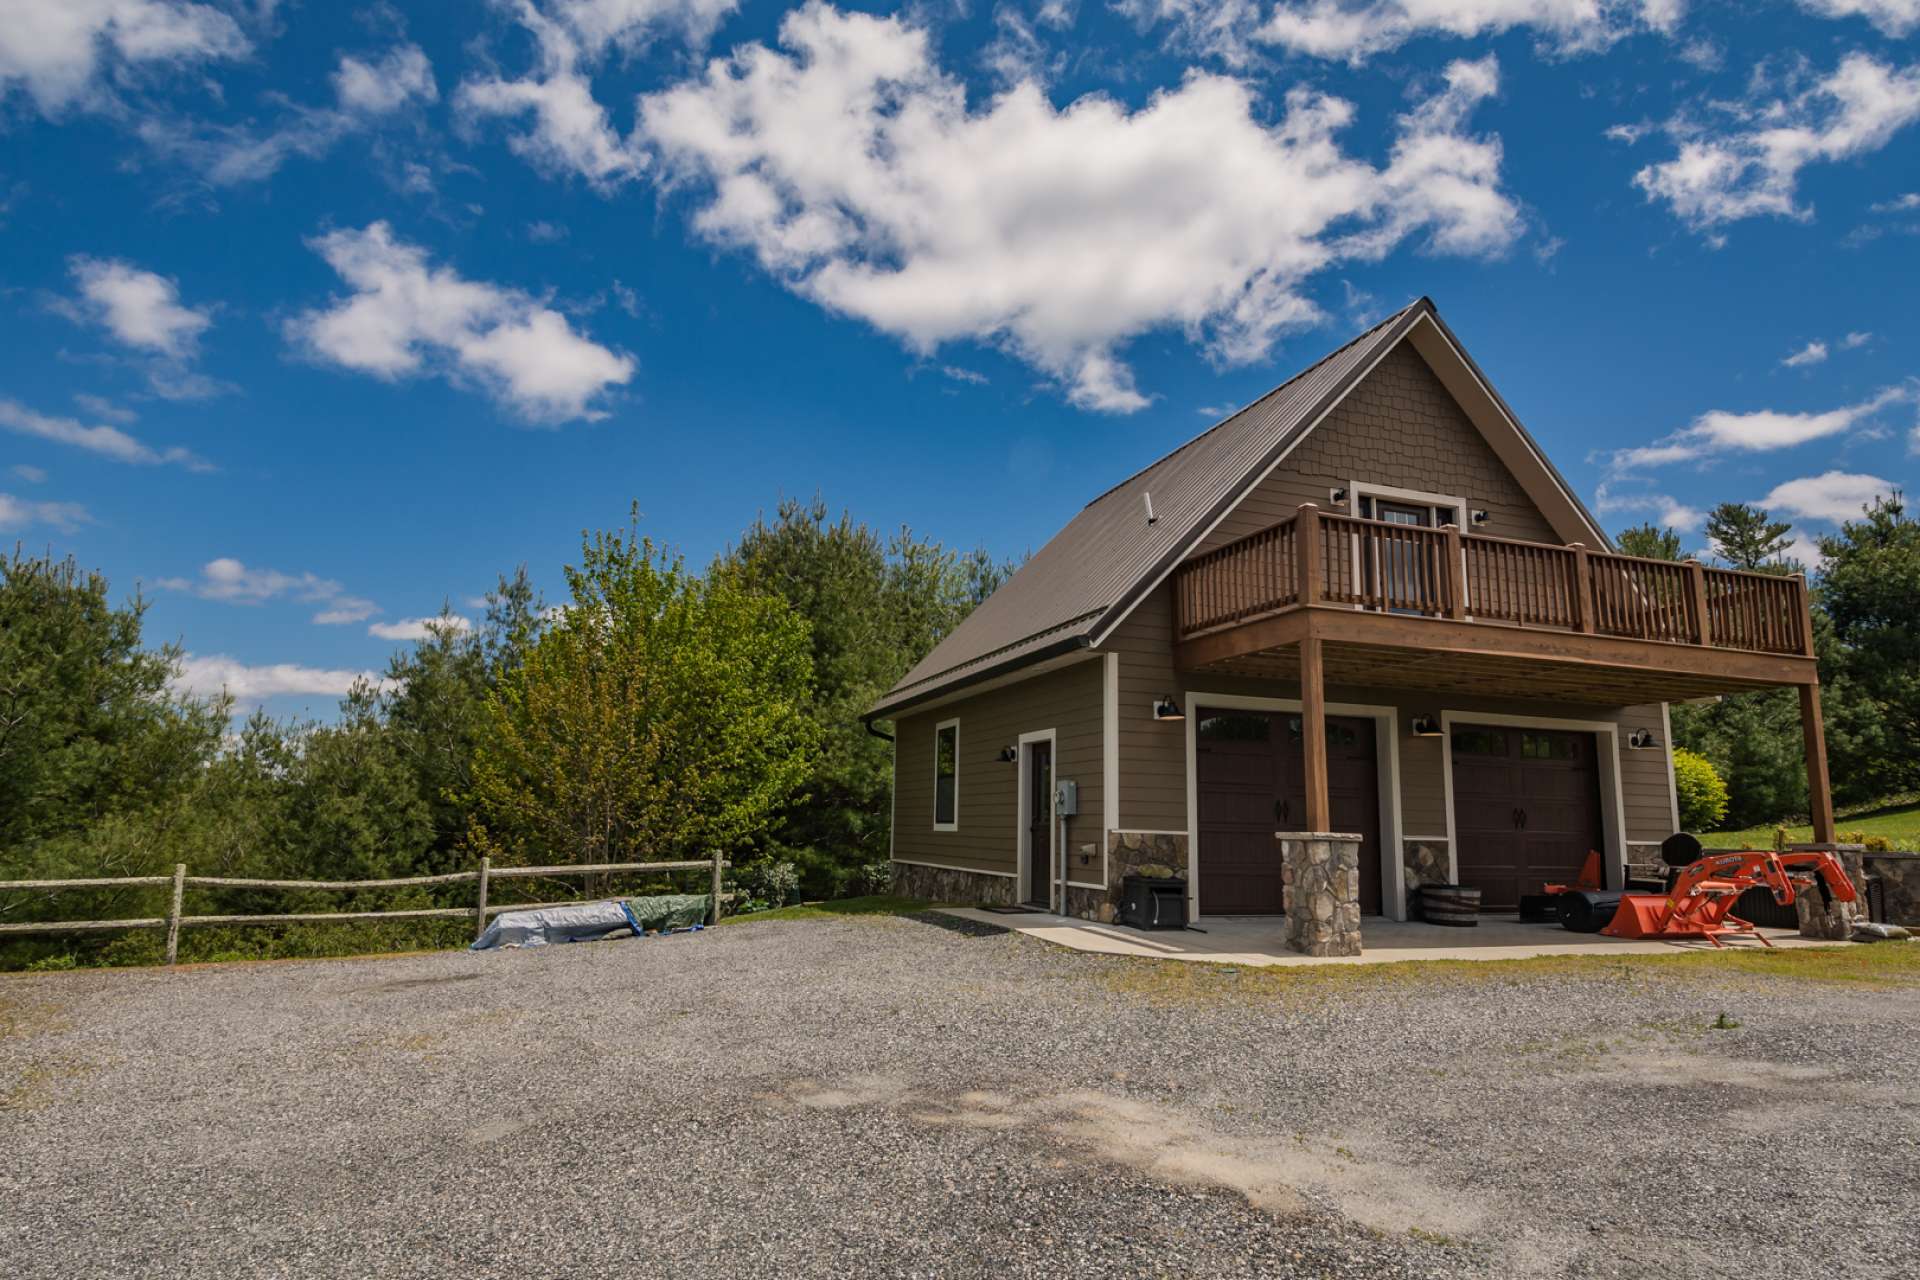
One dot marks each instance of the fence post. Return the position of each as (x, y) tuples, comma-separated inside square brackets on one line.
[(715, 913), (1455, 575), (480, 904), (173, 912)]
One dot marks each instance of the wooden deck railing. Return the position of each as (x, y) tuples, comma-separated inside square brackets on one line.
[(180, 881), (1318, 558)]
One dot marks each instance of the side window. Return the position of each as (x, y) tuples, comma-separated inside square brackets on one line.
[(946, 776)]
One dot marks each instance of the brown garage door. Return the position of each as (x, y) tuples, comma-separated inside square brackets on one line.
[(1526, 808), (1251, 782)]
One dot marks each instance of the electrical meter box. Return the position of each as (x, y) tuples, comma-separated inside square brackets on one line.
[(1066, 798)]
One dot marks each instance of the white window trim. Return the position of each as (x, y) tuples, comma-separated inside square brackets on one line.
[(1386, 745), (1356, 489), (1613, 816), (939, 729), (1023, 829)]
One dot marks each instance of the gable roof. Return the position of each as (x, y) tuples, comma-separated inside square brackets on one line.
[(1088, 577)]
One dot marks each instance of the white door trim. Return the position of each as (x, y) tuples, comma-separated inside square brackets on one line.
[(1386, 745), (1023, 832), (1613, 816), (1110, 760)]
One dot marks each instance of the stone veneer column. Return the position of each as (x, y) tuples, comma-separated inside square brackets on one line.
[(1833, 921), (1320, 875)]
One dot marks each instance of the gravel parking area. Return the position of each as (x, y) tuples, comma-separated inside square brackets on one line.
[(896, 1096)]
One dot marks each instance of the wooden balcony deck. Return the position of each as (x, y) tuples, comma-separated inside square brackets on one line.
[(1400, 605)]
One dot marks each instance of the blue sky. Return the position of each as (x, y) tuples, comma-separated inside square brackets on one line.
[(317, 316)]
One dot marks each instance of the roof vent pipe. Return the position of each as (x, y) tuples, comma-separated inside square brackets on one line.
[(1148, 498)]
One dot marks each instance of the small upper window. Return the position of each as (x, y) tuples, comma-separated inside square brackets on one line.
[(946, 776)]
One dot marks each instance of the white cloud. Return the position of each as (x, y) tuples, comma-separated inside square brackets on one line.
[(1761, 431), (405, 314), (1748, 164), (140, 308), (853, 169), (16, 513), (960, 374), (108, 442), (57, 50), (398, 78), (1661, 508), (1854, 341), (365, 94), (206, 676), (101, 407), (232, 581), (1812, 353), (31, 474), (1892, 17), (1833, 496), (1899, 204), (418, 628), (1233, 30), (570, 131)]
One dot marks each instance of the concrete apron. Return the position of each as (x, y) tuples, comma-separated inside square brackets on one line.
[(1262, 940)]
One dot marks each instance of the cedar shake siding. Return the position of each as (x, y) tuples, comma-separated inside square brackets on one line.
[(1398, 428), (1068, 701)]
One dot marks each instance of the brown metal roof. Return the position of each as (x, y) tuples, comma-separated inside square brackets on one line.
[(1108, 556)]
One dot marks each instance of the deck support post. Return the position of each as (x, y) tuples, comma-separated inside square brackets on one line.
[(1819, 794), (1456, 574), (1307, 547), (1697, 589), (1313, 733), (1582, 588)]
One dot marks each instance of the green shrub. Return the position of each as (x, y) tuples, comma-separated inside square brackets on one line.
[(1703, 796)]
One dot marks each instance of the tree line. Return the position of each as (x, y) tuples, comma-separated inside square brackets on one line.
[(1865, 601), (658, 712)]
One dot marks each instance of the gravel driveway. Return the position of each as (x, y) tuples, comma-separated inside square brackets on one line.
[(881, 1096)]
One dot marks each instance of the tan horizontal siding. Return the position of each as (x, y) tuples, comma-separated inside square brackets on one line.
[(1067, 701), (1153, 762)]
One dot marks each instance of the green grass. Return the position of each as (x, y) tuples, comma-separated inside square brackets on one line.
[(1899, 823), (1885, 964), (875, 905)]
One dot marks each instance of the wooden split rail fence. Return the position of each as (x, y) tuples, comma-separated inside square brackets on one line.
[(180, 882)]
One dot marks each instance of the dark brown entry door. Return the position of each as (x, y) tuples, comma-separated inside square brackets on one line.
[(1251, 782), (1040, 823), (1526, 808)]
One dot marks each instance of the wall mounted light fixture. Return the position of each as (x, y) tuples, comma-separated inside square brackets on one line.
[(1166, 708), (1642, 740), (1338, 497), (1009, 754), (1481, 517), (1425, 727)]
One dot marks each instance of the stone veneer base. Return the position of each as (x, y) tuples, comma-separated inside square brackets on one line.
[(952, 885)]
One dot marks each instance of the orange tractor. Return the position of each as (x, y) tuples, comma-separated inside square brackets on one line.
[(1700, 899)]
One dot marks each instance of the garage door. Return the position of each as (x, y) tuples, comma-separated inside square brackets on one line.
[(1526, 808), (1251, 782)]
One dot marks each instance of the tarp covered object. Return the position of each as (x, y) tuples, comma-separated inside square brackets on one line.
[(592, 920), (556, 924)]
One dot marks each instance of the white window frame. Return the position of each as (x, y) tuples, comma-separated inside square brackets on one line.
[(939, 729), (1357, 489)]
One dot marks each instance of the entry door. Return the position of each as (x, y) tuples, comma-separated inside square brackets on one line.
[(1040, 823), (1526, 808), (1251, 782), (1402, 569)]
